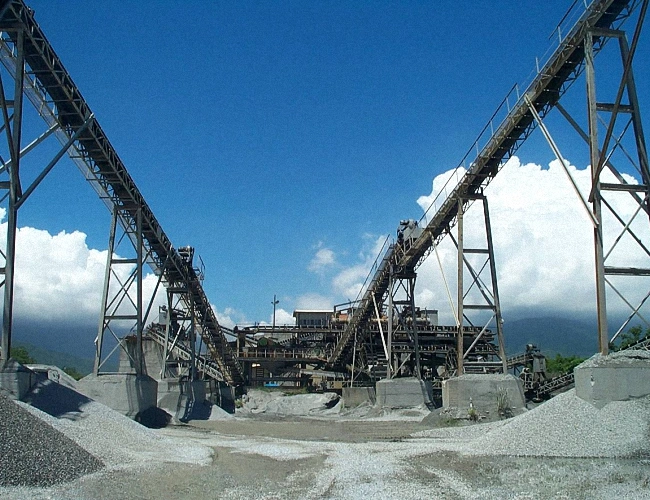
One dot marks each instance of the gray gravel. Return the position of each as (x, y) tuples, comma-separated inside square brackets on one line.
[(565, 426), (32, 453)]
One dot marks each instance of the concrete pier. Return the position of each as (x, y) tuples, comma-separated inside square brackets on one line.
[(406, 392), (619, 376), (126, 393), (16, 380), (355, 396), (483, 391)]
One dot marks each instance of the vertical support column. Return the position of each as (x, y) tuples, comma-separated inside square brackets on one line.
[(594, 154), (121, 310), (138, 310), (168, 333), (639, 136), (414, 326), (389, 340), (401, 314), (461, 294), (192, 338), (99, 340), (14, 134), (495, 287)]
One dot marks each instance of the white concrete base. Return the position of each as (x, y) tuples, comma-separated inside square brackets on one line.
[(16, 380), (126, 393), (618, 377), (354, 396), (406, 392), (482, 390), (184, 400)]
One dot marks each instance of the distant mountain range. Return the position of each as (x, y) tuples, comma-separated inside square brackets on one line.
[(552, 335), (72, 347), (62, 360)]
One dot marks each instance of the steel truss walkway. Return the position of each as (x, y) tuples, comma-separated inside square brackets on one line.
[(39, 73), (600, 20)]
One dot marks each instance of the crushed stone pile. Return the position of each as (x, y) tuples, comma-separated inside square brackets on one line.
[(57, 435), (107, 434), (33, 453), (565, 426), (279, 403), (627, 357), (218, 413)]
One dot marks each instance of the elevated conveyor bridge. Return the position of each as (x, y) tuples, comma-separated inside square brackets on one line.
[(496, 144), (56, 97)]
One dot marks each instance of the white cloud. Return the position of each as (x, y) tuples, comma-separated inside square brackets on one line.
[(323, 259), (282, 317), (314, 301), (59, 279), (57, 276), (349, 282), (230, 317), (543, 242)]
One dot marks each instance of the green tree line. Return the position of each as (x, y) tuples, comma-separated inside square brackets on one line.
[(22, 355)]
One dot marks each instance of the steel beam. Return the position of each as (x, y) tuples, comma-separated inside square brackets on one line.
[(478, 295), (13, 131), (601, 153)]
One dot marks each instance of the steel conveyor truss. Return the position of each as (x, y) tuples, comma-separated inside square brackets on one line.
[(51, 90), (498, 141)]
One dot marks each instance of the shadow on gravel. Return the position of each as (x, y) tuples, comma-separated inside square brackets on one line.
[(154, 418), (56, 399)]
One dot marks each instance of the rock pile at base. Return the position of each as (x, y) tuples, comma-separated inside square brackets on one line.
[(33, 453), (567, 426), (278, 403)]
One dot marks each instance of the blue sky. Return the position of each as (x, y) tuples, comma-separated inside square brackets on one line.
[(263, 132)]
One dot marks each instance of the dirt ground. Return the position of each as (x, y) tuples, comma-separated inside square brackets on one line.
[(258, 457)]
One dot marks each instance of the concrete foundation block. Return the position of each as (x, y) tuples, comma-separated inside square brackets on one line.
[(221, 394), (620, 376), (407, 392), (355, 396), (16, 380), (169, 395), (482, 390), (125, 393), (184, 400)]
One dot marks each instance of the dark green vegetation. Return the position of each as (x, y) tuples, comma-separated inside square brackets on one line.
[(74, 366), (632, 336), (21, 354), (562, 364)]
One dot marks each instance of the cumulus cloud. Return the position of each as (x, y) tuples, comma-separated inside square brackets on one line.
[(325, 258), (314, 301), (57, 276), (349, 282), (59, 279), (543, 242), (230, 317), (282, 317)]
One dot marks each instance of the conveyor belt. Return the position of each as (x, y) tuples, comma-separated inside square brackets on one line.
[(551, 82), (48, 81)]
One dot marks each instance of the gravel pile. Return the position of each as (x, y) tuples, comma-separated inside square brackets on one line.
[(32, 453), (627, 357), (278, 403), (568, 426), (116, 439), (565, 426), (218, 413)]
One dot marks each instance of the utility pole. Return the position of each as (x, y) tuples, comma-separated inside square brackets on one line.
[(275, 303)]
